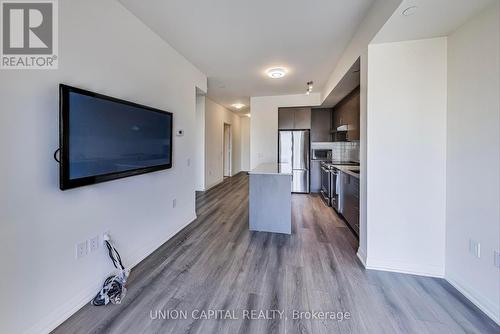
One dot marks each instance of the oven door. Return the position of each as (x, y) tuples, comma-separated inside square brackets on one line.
[(326, 185), (335, 189)]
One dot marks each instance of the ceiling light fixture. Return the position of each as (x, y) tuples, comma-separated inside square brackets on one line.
[(276, 72), (410, 11), (238, 105)]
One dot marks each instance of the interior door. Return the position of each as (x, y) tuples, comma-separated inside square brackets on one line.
[(227, 150)]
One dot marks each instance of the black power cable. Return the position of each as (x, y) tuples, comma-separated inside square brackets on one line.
[(113, 289)]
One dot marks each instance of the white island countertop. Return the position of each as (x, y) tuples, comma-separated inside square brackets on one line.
[(272, 168)]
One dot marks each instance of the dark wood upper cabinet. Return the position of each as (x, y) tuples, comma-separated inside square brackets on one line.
[(286, 118), (347, 112), (321, 122), (294, 118)]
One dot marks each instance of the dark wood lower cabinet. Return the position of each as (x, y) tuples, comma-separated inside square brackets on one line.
[(315, 176), (351, 201)]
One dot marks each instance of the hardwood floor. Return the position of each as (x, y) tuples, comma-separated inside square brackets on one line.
[(216, 263)]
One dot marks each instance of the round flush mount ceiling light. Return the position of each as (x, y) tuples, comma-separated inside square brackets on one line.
[(410, 11), (238, 105), (276, 72)]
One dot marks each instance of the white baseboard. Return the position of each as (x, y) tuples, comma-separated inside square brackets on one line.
[(62, 313), (208, 187), (361, 256), (405, 268), (485, 305)]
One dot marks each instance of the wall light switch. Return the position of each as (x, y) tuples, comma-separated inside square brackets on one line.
[(496, 260), (81, 249), (174, 203), (475, 248)]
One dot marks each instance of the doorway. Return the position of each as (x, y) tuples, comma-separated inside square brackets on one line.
[(227, 155)]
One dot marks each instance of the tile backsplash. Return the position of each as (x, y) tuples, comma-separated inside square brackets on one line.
[(345, 151)]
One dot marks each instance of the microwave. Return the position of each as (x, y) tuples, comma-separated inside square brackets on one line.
[(321, 154)]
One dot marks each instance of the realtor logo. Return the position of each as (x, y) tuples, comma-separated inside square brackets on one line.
[(29, 34)]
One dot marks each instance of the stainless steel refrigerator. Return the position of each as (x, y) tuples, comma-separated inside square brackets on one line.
[(294, 148)]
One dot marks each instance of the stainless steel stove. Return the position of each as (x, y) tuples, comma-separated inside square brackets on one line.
[(331, 182)]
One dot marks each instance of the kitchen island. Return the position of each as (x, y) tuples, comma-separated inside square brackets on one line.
[(270, 198)]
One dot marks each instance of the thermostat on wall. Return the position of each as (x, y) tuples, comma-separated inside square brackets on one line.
[(180, 133)]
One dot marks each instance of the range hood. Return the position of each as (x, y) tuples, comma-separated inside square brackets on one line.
[(342, 128)]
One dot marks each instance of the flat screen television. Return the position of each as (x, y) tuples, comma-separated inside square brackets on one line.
[(103, 138)]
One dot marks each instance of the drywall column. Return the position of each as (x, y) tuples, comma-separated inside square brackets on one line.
[(362, 248), (473, 154), (406, 154)]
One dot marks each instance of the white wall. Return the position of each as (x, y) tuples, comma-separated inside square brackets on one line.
[(103, 48), (245, 143), (215, 117), (199, 159), (264, 123), (473, 154), (406, 154)]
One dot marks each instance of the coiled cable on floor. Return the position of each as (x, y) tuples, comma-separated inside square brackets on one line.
[(113, 289)]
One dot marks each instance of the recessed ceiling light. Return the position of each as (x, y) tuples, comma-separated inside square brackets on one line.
[(276, 72), (238, 105), (410, 11)]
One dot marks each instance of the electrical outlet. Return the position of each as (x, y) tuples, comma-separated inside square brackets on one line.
[(174, 202), (496, 259), (94, 243), (81, 249)]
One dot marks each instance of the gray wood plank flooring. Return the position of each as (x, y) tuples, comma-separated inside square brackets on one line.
[(216, 263)]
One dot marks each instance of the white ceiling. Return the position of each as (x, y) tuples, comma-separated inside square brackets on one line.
[(432, 18), (234, 41)]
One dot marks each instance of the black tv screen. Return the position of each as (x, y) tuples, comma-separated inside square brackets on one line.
[(103, 138)]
